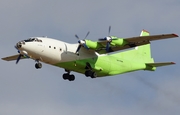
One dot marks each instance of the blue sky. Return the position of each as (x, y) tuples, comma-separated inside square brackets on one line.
[(25, 90)]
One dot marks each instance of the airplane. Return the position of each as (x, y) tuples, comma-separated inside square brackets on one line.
[(107, 56)]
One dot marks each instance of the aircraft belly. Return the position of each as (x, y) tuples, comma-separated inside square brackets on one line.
[(103, 66), (119, 66), (100, 66), (125, 66)]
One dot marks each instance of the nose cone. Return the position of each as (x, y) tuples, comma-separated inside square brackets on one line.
[(19, 44)]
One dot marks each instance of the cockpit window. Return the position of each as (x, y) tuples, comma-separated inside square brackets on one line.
[(33, 40)]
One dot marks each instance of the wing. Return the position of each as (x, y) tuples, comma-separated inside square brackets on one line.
[(150, 38), (11, 58), (125, 43)]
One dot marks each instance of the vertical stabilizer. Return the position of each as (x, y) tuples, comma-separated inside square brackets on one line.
[(144, 33), (145, 50), (141, 54)]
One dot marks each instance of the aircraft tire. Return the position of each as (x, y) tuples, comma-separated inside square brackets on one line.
[(38, 65), (71, 78), (93, 75), (88, 73), (65, 76)]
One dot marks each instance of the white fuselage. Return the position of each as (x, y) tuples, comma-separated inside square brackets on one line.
[(53, 51)]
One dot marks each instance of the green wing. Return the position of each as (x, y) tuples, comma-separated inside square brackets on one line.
[(125, 43)]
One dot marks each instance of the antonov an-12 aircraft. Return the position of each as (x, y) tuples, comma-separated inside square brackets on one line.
[(105, 57)]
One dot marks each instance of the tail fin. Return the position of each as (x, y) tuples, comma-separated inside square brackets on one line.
[(144, 33), (145, 50), (140, 54)]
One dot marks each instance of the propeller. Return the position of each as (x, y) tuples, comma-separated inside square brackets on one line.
[(81, 42), (109, 31), (20, 55), (108, 39)]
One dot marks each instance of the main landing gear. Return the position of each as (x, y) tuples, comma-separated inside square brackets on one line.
[(71, 77), (89, 72), (67, 76)]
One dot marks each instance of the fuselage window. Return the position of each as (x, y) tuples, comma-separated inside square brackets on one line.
[(54, 47), (49, 46)]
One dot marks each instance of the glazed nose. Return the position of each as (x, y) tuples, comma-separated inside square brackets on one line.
[(19, 44)]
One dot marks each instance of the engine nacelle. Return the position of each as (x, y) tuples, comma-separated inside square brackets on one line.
[(92, 45), (118, 41)]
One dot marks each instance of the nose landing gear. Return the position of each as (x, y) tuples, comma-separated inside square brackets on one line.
[(38, 65)]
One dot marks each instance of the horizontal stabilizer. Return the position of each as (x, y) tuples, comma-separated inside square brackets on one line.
[(11, 58), (160, 64)]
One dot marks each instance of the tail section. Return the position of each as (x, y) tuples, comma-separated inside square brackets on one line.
[(144, 50), (142, 54), (147, 50)]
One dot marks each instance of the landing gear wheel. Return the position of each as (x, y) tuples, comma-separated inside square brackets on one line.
[(38, 65), (88, 73), (93, 75), (71, 78), (66, 76)]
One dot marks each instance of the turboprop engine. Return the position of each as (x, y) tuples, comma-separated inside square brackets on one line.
[(88, 44), (118, 41), (114, 41)]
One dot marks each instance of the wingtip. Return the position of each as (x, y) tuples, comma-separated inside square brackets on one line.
[(175, 35), (173, 62), (3, 58)]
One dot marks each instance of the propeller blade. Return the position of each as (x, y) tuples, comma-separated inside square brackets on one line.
[(77, 36), (15, 47), (85, 46), (87, 35), (19, 57), (107, 46), (82, 42), (109, 30), (78, 49)]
